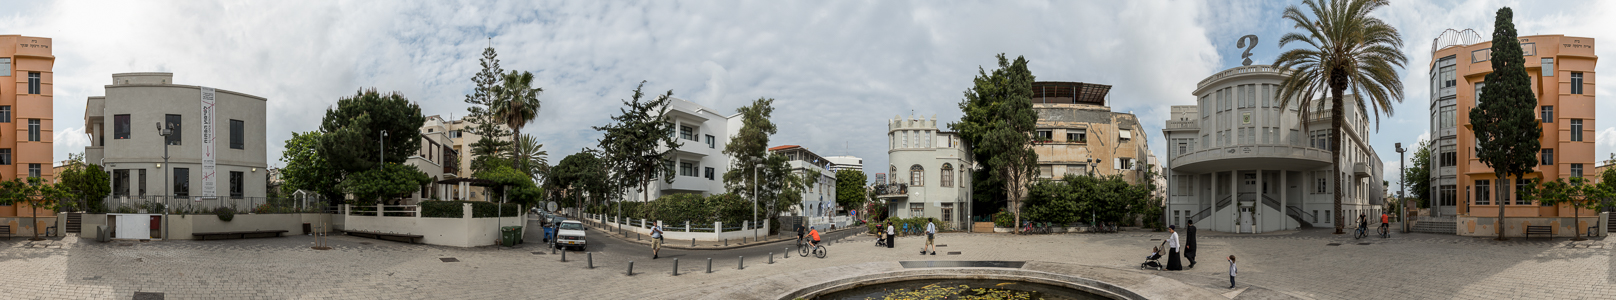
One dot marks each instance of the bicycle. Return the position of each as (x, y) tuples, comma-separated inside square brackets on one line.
[(820, 251), (802, 247), (1385, 232), (1359, 234)]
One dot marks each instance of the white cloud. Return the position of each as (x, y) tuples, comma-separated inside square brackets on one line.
[(70, 138)]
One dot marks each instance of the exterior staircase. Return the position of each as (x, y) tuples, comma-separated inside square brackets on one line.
[(1438, 225), (74, 221), (1609, 225)]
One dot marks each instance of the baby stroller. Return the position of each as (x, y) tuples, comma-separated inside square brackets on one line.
[(1150, 261), (880, 238)]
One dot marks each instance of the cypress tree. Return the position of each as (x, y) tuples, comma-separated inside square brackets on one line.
[(1506, 130)]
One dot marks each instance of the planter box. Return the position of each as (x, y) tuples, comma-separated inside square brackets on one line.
[(1003, 230)]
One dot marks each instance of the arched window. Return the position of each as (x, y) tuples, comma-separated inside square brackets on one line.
[(948, 175), (917, 175)]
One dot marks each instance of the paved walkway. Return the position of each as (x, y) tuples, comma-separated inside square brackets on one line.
[(1281, 265)]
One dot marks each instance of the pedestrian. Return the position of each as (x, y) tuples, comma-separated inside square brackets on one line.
[(1189, 246), (892, 234), (1173, 248), (931, 237), (656, 239), (1232, 270)]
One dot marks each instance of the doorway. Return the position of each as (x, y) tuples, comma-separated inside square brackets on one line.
[(1245, 219)]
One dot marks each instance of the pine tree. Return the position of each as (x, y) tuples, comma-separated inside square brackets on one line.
[(1506, 130), (482, 114)]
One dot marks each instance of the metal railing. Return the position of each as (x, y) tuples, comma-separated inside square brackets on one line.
[(196, 205), (892, 189)]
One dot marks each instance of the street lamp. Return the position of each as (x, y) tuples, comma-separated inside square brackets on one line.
[(382, 159), (165, 132), (755, 195), (1402, 185)]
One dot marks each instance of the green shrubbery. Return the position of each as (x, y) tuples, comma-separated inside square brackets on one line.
[(916, 223), (479, 209), (680, 208), (225, 213)]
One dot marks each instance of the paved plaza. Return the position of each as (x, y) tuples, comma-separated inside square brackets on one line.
[(1282, 265)]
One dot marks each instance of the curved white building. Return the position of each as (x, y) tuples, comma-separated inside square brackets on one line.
[(1238, 162)]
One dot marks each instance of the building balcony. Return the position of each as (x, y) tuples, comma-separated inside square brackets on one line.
[(93, 155), (1360, 169), (895, 190), (1251, 157), (693, 148), (1183, 125)]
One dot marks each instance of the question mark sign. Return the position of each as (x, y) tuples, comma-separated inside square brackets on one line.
[(1242, 44)]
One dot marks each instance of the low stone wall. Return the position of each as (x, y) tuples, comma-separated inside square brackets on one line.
[(458, 232), (677, 232), (180, 227), (1516, 227), (20, 225)]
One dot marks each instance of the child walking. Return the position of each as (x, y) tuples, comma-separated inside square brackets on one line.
[(1232, 270)]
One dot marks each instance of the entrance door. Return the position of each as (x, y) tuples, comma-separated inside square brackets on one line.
[(1245, 219), (948, 213)]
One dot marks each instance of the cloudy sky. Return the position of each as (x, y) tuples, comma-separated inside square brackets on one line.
[(838, 69)]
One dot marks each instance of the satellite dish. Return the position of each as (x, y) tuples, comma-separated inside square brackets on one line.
[(550, 205)]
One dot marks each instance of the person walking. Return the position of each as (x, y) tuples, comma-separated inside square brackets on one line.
[(1232, 270), (892, 235), (656, 239), (931, 237), (1189, 246), (1173, 248)]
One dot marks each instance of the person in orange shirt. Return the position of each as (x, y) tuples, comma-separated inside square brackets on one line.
[(1385, 221), (814, 233)]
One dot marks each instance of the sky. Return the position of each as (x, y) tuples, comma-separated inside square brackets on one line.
[(837, 69)]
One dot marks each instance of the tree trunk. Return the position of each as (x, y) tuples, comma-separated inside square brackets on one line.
[(34, 218), (1337, 86), (1499, 199)]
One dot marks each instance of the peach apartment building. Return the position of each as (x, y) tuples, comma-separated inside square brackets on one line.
[(1562, 72), (25, 120)]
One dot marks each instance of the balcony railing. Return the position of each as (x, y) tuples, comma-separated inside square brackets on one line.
[(1183, 125), (1252, 151), (1236, 71), (894, 189)]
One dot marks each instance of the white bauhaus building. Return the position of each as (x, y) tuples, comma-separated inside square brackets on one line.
[(216, 151), (1238, 162), (699, 162), (931, 172)]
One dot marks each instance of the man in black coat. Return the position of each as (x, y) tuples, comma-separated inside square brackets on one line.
[(1189, 249)]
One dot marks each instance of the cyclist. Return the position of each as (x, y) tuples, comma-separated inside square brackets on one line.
[(813, 233), (1385, 222), (800, 232), (1363, 223)]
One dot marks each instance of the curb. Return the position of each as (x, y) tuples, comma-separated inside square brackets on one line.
[(607, 230)]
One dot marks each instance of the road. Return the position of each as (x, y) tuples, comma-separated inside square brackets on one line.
[(614, 251)]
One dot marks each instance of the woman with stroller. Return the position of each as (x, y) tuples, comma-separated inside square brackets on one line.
[(1150, 260), (1172, 249)]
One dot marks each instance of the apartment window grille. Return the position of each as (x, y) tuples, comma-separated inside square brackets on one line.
[(1576, 83), (1576, 130), (1548, 114)]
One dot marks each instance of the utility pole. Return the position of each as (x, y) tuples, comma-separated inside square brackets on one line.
[(165, 132), (1402, 186)]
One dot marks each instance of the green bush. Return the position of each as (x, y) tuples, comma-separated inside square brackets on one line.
[(1003, 219), (442, 209), (225, 213), (452, 209), (480, 209)]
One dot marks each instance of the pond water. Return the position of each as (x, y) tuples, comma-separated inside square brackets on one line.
[(961, 289)]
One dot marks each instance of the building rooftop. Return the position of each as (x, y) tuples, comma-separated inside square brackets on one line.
[(1063, 92)]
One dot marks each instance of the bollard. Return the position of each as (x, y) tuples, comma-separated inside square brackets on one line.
[(771, 258), (709, 265), (630, 268), (726, 242), (563, 256), (675, 266), (740, 264), (787, 252), (591, 257), (636, 236), (692, 242)]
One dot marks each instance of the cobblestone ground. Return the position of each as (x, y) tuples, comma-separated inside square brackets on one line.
[(1299, 264)]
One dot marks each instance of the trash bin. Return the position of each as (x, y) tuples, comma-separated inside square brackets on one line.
[(511, 235)]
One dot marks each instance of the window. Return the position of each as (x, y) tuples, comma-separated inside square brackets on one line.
[(174, 121), (454, 134), (948, 175), (1484, 192), (712, 143), (1321, 184), (917, 209), (1576, 83), (5, 114), (1046, 171), (687, 169), (1077, 135), (1447, 156), (1548, 114), (33, 130), (1125, 163), (1447, 195), (1267, 97), (1327, 218), (1479, 87), (1448, 78), (1520, 187), (33, 83), (1548, 67), (905, 135), (1125, 135), (120, 183), (685, 132), (142, 185), (33, 171), (928, 143), (1448, 117), (1182, 184), (1576, 170), (1046, 135), (1077, 170), (1576, 130), (182, 182), (917, 175), (236, 183), (237, 132), (120, 127), (5, 157), (709, 173), (1548, 157), (5, 66)]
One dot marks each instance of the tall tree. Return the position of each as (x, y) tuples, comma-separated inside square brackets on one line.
[(390, 181), (351, 141), (529, 156), (1417, 175), (640, 144), (581, 177), (306, 169), (749, 148), (1345, 49), (998, 125), (482, 114), (36, 194), (1504, 122), (517, 103), (850, 188), (88, 181)]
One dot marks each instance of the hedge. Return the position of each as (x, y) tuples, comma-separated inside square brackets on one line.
[(479, 209)]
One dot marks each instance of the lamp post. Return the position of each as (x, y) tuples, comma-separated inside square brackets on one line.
[(382, 158), (755, 168), (1402, 185), (165, 132)]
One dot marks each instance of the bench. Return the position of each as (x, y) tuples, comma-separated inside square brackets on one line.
[(1531, 230), (6, 229), (407, 238), (238, 234)]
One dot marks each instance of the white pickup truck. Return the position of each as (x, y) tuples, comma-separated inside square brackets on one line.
[(570, 234)]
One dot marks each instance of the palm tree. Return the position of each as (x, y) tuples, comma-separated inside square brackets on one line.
[(527, 157), (1346, 49), (516, 102)]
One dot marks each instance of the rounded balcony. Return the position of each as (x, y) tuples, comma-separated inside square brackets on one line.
[(1249, 157)]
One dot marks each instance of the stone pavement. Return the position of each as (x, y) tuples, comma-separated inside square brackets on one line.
[(1280, 265)]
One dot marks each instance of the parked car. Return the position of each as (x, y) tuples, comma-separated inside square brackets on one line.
[(570, 234)]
